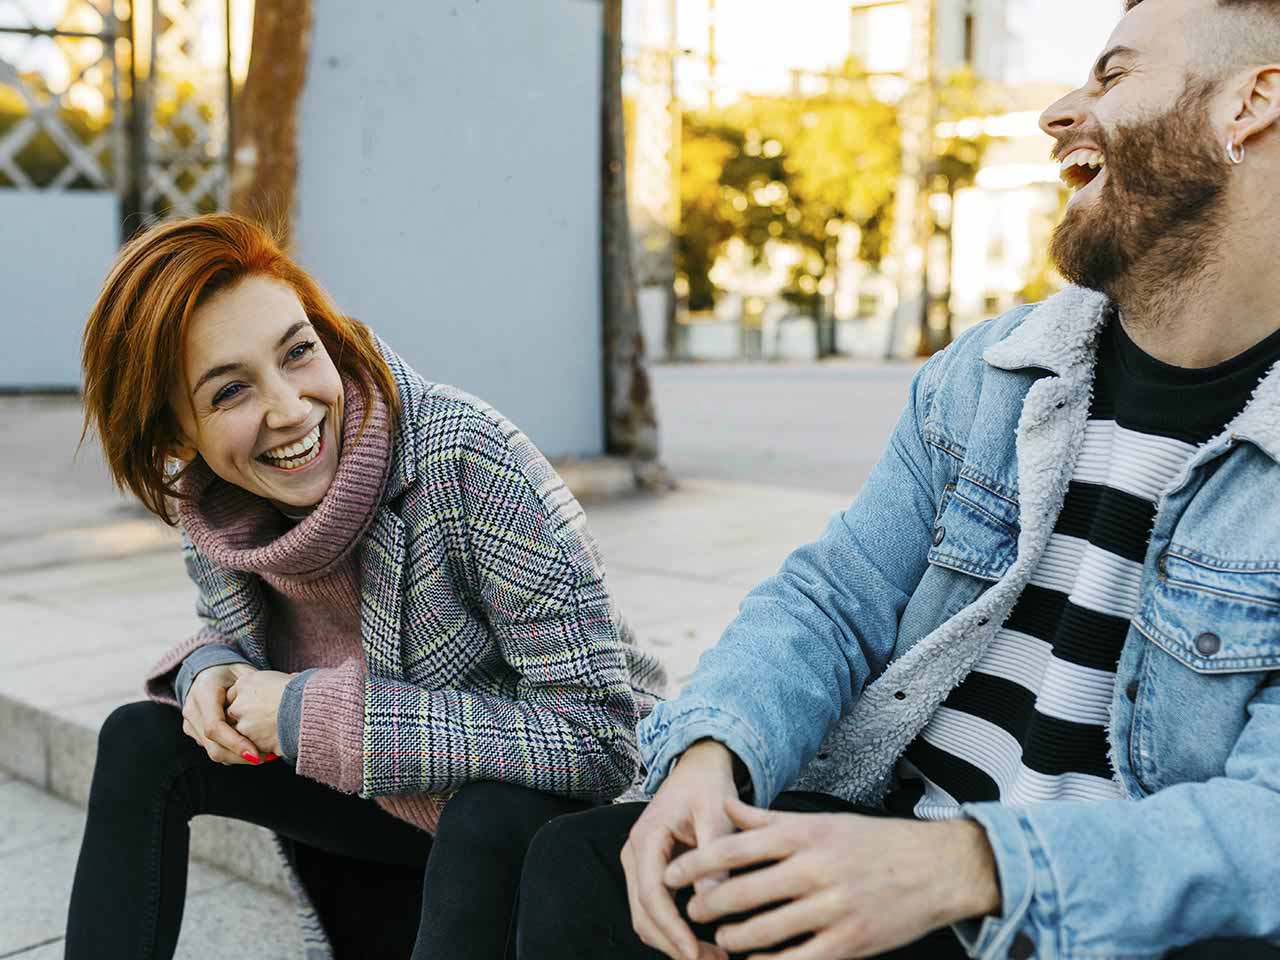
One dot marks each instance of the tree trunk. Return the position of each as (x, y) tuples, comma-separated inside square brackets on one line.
[(631, 423), (265, 155)]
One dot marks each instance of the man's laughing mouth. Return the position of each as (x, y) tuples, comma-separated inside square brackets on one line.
[(1081, 167)]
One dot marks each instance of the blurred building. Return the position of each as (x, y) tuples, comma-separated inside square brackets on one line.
[(448, 191), (967, 34), (1003, 224), (999, 227)]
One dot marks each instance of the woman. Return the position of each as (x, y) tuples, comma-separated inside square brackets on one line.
[(399, 598)]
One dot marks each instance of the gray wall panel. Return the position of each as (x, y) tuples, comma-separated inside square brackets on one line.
[(449, 196), (55, 249)]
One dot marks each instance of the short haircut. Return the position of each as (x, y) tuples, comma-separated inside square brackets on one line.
[(1249, 37), (133, 342)]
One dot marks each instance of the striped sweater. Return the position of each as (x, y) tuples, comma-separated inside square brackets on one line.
[(1029, 724)]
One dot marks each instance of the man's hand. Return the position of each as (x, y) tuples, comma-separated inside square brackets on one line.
[(860, 885), (204, 716), (253, 703), (687, 812)]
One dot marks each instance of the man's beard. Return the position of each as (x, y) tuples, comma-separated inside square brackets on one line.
[(1156, 218)]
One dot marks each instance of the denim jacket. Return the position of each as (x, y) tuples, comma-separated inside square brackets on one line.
[(834, 665)]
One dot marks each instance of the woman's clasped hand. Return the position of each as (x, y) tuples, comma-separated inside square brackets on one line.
[(226, 712), (253, 703)]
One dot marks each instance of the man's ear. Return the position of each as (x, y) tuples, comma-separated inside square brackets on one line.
[(1258, 107)]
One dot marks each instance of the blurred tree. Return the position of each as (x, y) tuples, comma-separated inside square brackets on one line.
[(728, 188), (1043, 279), (792, 170), (631, 421), (265, 152), (961, 103)]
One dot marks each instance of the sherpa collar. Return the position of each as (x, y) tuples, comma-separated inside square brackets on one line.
[(1060, 336)]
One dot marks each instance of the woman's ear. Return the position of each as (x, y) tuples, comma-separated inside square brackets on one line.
[(182, 449)]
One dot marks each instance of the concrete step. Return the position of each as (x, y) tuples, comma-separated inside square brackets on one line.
[(55, 753), (39, 843), (77, 638)]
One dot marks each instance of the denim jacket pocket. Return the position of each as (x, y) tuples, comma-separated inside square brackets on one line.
[(1214, 630), (975, 531), (1214, 615)]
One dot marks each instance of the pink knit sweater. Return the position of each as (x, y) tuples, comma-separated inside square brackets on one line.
[(313, 576)]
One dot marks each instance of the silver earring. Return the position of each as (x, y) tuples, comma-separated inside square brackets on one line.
[(1235, 152)]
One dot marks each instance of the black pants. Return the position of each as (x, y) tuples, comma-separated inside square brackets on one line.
[(573, 899), (382, 888)]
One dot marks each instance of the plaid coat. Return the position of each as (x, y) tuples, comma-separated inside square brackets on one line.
[(493, 649)]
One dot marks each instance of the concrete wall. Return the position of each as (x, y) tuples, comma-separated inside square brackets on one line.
[(449, 196), (54, 252)]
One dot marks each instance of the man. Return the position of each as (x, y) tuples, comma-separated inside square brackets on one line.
[(1030, 679)]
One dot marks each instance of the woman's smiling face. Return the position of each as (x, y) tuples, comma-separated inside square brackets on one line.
[(261, 402)]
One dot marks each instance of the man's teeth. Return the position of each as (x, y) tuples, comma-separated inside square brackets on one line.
[(295, 454), (1094, 159)]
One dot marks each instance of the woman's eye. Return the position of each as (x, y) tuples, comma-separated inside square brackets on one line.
[(226, 393), (301, 350)]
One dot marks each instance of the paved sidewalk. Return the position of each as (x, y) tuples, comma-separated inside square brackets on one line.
[(39, 842), (78, 636)]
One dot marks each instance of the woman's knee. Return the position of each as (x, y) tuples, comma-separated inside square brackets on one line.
[(488, 813), (572, 890), (137, 735)]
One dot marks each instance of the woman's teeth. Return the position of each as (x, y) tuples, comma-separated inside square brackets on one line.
[(291, 456)]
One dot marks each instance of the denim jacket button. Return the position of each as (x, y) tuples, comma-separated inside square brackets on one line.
[(1022, 948), (1207, 644), (1162, 564), (939, 534), (1131, 691)]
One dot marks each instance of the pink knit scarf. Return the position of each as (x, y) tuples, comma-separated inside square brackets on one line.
[(242, 531)]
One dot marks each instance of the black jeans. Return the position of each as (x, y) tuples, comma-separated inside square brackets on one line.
[(574, 898), (382, 887)]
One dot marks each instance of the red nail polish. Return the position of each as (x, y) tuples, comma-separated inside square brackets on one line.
[(270, 756), (250, 757)]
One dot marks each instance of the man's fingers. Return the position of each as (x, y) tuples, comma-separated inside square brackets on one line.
[(728, 853), (710, 824), (231, 694), (775, 926), (746, 817), (825, 945), (788, 880), (641, 922), (651, 856)]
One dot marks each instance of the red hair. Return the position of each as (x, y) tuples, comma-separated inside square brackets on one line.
[(133, 342)]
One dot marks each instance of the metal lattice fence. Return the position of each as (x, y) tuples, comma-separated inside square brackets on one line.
[(129, 97)]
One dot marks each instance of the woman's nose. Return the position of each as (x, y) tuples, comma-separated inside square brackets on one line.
[(287, 409)]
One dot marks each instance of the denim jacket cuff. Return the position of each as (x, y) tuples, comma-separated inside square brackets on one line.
[(673, 728), (1017, 853)]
